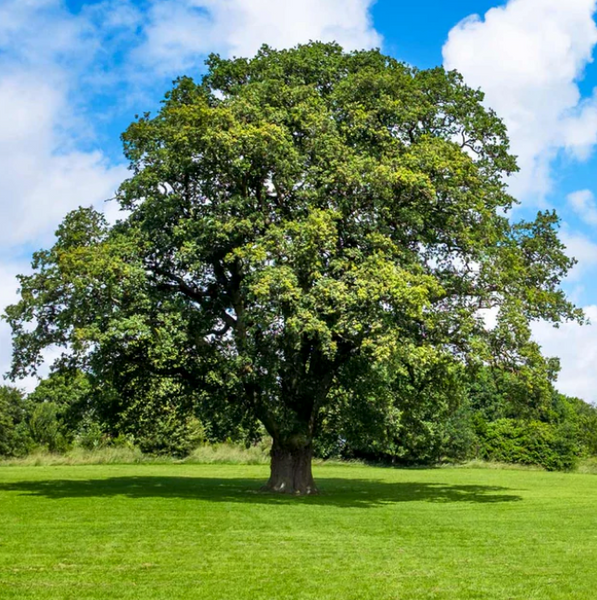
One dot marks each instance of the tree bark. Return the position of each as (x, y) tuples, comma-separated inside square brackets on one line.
[(291, 469)]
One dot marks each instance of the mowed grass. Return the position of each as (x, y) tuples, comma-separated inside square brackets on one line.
[(205, 531)]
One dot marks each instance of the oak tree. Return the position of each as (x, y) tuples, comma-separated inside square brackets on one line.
[(304, 231)]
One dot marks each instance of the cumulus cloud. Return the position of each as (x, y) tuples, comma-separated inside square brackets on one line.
[(179, 32), (41, 64), (573, 344), (41, 181), (584, 205), (40, 31), (44, 174), (584, 250), (528, 56), (576, 347)]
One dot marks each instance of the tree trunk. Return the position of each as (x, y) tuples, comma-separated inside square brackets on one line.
[(291, 469)]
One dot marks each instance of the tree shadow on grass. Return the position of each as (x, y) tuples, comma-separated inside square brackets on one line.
[(349, 493)]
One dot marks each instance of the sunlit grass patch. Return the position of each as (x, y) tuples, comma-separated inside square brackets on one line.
[(152, 531)]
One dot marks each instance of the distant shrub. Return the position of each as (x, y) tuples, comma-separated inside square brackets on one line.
[(528, 443), (45, 428), (91, 436), (171, 436)]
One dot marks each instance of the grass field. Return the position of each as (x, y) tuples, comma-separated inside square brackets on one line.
[(205, 531)]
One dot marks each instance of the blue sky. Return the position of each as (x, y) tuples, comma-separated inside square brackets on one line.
[(73, 73)]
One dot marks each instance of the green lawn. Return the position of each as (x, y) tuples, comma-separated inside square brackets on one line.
[(194, 531)]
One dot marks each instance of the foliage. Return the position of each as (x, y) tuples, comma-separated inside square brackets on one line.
[(459, 440), (46, 429), (15, 439), (70, 392), (487, 413), (527, 442), (90, 435), (305, 230), (580, 420), (517, 422), (172, 436), (61, 409)]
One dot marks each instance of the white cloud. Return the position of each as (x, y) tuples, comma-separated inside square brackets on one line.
[(40, 31), (179, 32), (43, 173), (576, 346), (41, 181), (8, 295), (527, 56), (584, 205), (573, 344), (583, 249)]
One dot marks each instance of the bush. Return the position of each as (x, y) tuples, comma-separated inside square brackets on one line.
[(528, 443), (169, 435), (46, 429), (90, 436)]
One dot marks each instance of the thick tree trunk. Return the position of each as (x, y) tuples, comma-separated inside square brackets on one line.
[(291, 469)]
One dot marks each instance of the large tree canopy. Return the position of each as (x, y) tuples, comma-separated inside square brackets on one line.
[(306, 231)]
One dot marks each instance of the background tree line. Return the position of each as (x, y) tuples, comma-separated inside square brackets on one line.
[(489, 414)]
